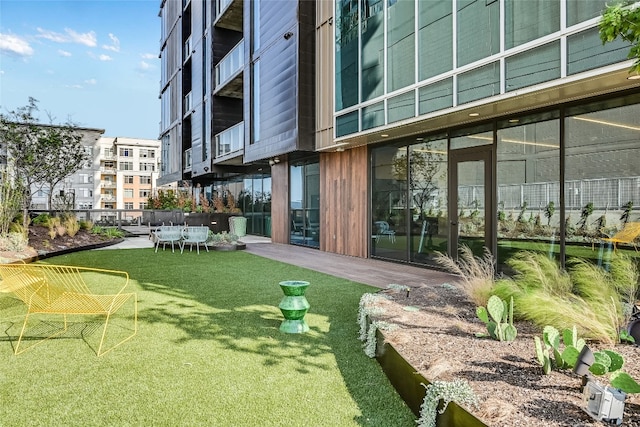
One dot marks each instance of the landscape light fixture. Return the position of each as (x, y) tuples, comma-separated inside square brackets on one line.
[(604, 404)]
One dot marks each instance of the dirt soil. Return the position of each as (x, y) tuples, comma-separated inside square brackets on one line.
[(40, 243), (439, 341)]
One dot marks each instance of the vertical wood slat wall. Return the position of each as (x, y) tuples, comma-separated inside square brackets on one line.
[(280, 203), (344, 202)]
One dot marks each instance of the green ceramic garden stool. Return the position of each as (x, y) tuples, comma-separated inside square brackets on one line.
[(294, 306)]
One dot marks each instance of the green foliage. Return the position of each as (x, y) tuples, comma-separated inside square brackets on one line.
[(624, 382), (549, 210), (553, 355), (586, 211), (476, 273), (498, 317), (11, 196), (626, 212), (41, 219), (40, 154), (586, 295), (622, 20), (458, 391), (111, 232)]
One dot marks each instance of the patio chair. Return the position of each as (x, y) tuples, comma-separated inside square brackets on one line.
[(195, 235), (628, 235), (385, 230), (168, 234), (67, 290)]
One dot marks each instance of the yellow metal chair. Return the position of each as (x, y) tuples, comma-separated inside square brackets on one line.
[(66, 290), (628, 235)]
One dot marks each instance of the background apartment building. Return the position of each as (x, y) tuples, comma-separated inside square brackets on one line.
[(437, 123), (120, 174)]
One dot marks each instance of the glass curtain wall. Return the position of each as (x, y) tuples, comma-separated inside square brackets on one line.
[(389, 202), (409, 199), (602, 178), (252, 195), (304, 187), (528, 175)]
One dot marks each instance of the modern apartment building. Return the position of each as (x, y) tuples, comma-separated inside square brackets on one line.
[(121, 174), (397, 128)]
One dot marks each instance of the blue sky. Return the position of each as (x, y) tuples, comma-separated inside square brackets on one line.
[(94, 62)]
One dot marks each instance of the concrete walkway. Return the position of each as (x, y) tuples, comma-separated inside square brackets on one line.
[(363, 270)]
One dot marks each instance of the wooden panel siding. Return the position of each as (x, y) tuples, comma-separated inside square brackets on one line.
[(344, 201), (280, 202)]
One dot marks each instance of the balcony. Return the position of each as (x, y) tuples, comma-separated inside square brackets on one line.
[(108, 171), (229, 73), (229, 14), (107, 184), (230, 141), (187, 160)]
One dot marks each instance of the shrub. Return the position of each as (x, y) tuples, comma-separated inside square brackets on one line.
[(587, 295), (72, 225), (477, 273), (14, 242), (42, 219)]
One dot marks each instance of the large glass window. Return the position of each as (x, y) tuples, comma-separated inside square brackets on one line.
[(528, 175), (428, 189), (389, 204), (585, 51), (602, 171), (435, 37), (479, 83), (346, 53), (304, 187), (436, 96), (530, 20), (372, 49), (534, 66), (478, 30), (583, 10), (400, 44)]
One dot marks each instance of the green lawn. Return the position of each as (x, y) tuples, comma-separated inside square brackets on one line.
[(208, 352)]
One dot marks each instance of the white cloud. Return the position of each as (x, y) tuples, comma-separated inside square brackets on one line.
[(105, 58), (74, 86), (70, 36), (63, 53), (91, 81), (14, 45), (144, 66), (149, 56), (115, 44)]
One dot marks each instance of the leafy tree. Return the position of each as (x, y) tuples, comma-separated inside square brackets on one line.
[(38, 153), (623, 20), (10, 201), (425, 169)]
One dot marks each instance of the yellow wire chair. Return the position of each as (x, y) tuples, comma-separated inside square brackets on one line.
[(628, 235), (63, 290)]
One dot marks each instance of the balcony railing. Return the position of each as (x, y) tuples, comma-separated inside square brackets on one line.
[(108, 184), (110, 171), (187, 160), (230, 140), (230, 64)]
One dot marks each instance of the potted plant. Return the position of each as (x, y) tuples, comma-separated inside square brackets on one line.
[(224, 241)]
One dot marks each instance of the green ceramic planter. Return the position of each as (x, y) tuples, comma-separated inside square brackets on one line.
[(294, 306)]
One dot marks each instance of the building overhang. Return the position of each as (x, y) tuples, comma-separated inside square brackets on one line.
[(585, 85)]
